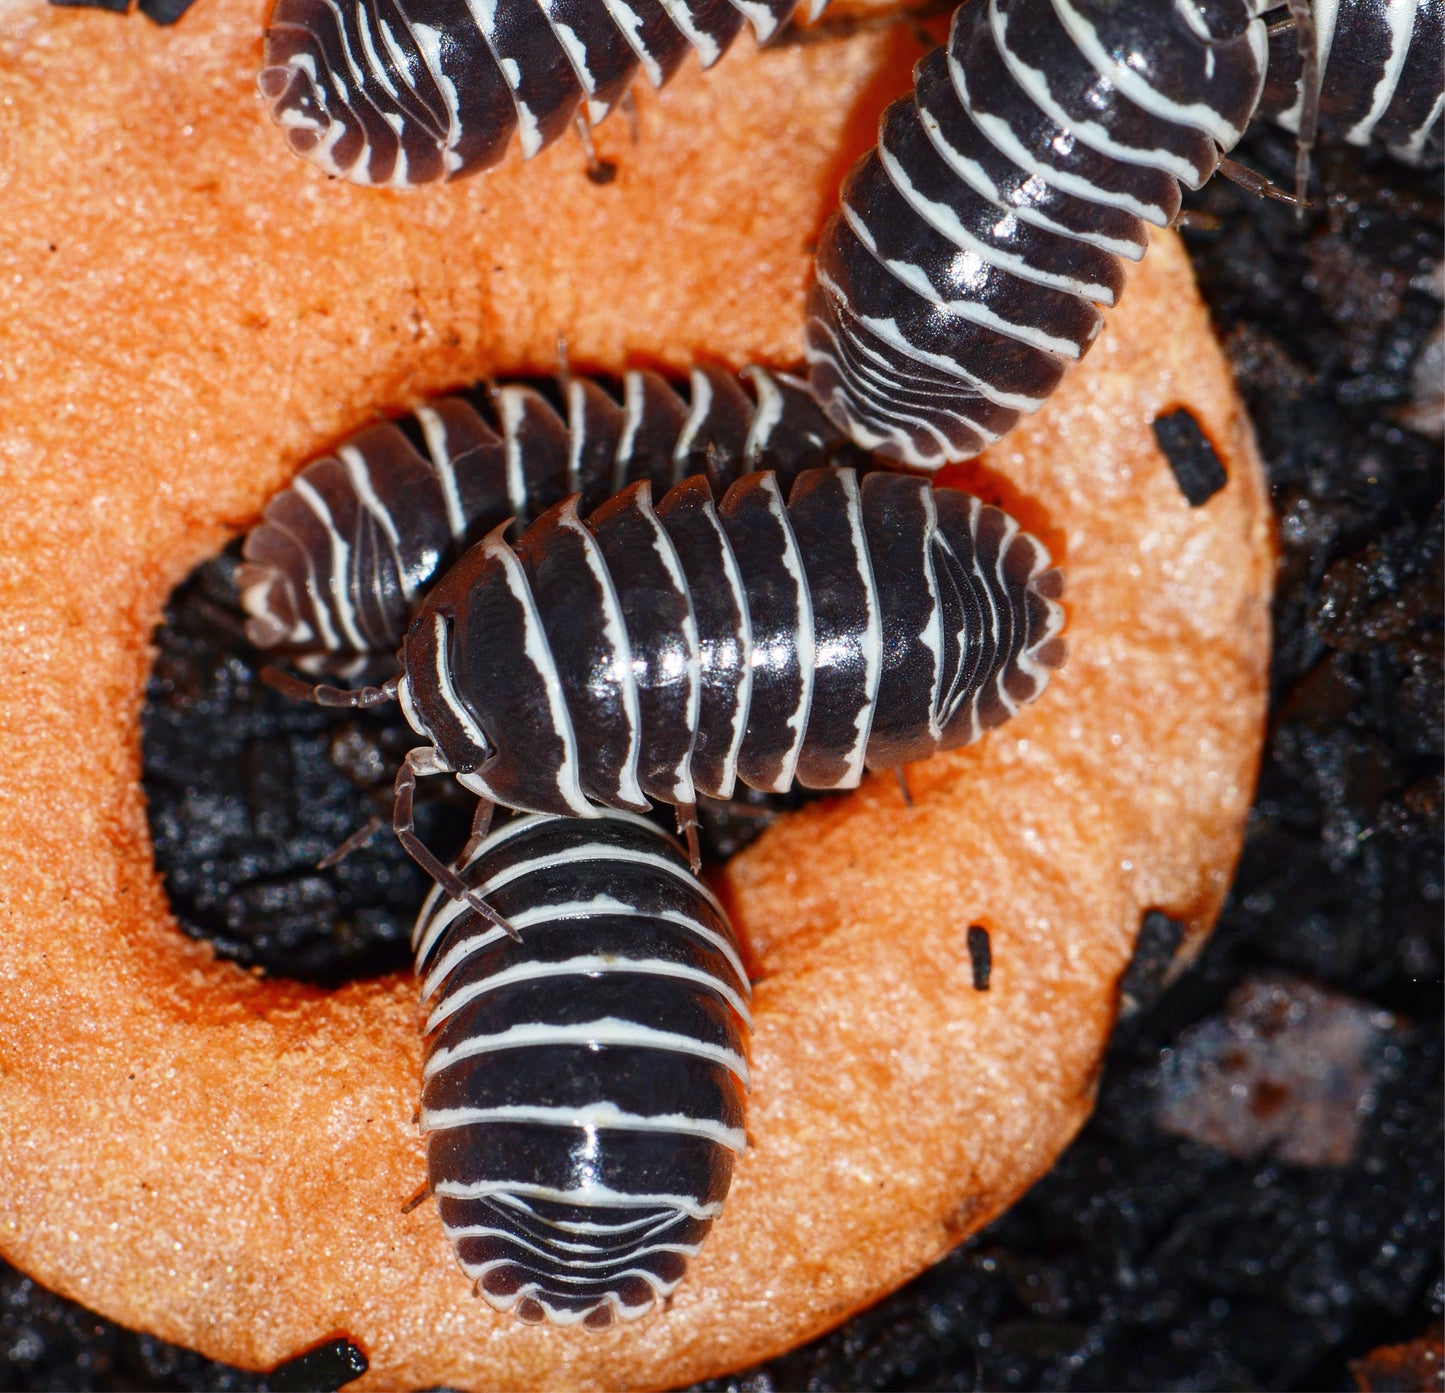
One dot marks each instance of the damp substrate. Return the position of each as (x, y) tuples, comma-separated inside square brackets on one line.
[(1257, 1200)]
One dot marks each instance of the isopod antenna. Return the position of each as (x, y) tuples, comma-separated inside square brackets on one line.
[(419, 762)]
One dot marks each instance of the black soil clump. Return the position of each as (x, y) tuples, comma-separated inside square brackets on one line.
[(248, 790)]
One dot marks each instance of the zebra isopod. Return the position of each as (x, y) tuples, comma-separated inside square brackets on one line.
[(863, 624), (332, 574), (584, 1086), (404, 92), (977, 242), (670, 651), (1381, 74)]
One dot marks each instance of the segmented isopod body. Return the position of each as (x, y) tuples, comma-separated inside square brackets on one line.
[(977, 242), (333, 573), (584, 1087), (403, 92), (1381, 74), (662, 652)]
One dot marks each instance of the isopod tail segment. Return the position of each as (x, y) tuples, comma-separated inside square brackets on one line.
[(419, 762), (978, 245)]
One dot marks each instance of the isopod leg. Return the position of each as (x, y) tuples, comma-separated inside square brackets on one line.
[(598, 171), (481, 825), (628, 107), (419, 762), (322, 695), (354, 842), (1308, 44), (687, 826)]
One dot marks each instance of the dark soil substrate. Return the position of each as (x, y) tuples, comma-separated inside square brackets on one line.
[(1257, 1200)]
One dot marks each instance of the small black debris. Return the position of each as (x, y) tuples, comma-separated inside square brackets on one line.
[(981, 952), (157, 11), (164, 11), (1196, 467), (1154, 950), (117, 6), (320, 1370)]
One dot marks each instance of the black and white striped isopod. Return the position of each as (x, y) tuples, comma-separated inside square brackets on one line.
[(332, 574), (658, 652), (662, 652), (978, 240), (584, 1087), (1381, 74), (403, 92)]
